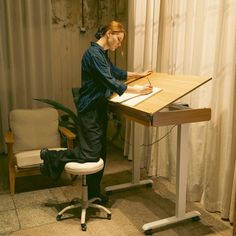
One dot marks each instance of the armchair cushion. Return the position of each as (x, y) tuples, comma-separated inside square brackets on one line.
[(34, 129), (30, 159)]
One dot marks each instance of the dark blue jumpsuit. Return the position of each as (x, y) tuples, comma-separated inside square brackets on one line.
[(100, 79)]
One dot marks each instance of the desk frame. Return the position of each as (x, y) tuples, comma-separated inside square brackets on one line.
[(176, 115), (181, 163), (181, 186)]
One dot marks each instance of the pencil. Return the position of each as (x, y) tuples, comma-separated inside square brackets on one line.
[(149, 82)]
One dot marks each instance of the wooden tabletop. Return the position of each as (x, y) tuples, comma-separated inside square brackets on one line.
[(173, 88)]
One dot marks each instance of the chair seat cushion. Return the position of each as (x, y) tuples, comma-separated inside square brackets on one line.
[(30, 159), (84, 168)]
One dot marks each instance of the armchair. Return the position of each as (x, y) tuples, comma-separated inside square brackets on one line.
[(30, 131)]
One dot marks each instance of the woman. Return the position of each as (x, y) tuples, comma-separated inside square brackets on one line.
[(100, 79)]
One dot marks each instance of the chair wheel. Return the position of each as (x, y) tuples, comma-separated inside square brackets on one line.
[(148, 232), (84, 227), (149, 185), (58, 218), (195, 218), (109, 216), (74, 201)]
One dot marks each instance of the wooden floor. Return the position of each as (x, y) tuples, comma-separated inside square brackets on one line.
[(33, 209)]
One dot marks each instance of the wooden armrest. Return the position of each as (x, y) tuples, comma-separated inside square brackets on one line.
[(69, 135), (9, 138), (67, 132)]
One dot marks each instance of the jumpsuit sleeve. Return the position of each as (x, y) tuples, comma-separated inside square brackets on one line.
[(103, 71), (118, 73)]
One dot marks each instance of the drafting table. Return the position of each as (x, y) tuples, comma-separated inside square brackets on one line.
[(149, 113)]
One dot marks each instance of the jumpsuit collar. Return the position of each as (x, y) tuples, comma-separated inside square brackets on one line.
[(100, 47)]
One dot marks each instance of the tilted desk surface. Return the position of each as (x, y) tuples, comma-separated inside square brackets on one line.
[(150, 113), (173, 88)]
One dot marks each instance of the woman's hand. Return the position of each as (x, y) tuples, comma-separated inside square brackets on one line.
[(146, 89), (139, 89), (145, 73), (137, 75)]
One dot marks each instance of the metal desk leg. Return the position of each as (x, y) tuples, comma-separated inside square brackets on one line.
[(135, 170), (181, 185)]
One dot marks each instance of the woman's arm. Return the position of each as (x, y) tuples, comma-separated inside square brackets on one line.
[(137, 75), (145, 89)]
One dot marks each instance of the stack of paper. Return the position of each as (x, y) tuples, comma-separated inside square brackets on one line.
[(131, 99)]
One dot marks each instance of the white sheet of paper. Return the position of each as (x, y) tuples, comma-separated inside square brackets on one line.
[(131, 99)]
